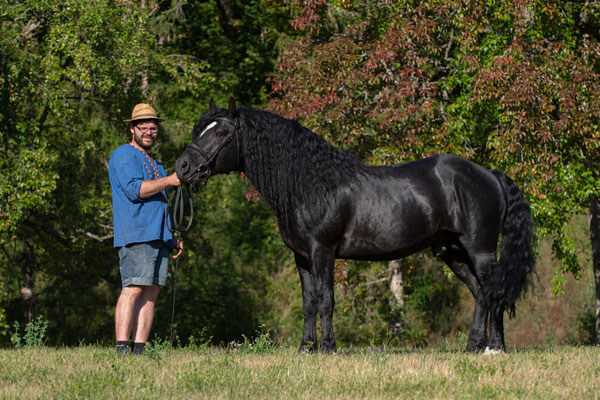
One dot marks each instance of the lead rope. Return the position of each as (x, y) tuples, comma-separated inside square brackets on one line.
[(178, 210), (174, 296), (178, 213)]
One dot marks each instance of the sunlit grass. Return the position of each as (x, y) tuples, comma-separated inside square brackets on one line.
[(377, 373)]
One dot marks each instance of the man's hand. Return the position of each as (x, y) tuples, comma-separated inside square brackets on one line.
[(177, 245), (174, 180)]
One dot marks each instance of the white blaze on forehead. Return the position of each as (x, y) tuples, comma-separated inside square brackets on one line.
[(212, 124)]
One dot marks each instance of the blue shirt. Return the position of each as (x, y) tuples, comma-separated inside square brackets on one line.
[(136, 220)]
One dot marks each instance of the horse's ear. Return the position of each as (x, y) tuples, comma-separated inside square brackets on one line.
[(231, 107), (211, 104)]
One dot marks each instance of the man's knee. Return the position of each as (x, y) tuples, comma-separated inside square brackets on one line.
[(150, 292), (132, 291)]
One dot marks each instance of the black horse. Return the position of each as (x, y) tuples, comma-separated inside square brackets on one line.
[(331, 205)]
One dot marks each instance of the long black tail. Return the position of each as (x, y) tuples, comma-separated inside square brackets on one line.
[(517, 255)]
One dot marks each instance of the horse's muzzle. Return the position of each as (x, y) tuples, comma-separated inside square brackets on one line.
[(202, 172)]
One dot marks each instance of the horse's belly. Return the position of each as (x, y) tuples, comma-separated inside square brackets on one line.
[(383, 244), (374, 254)]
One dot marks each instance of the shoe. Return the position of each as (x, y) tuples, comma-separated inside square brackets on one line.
[(123, 350)]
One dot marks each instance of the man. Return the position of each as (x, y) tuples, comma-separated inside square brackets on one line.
[(142, 239)]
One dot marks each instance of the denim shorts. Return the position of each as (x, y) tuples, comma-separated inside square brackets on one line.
[(144, 264)]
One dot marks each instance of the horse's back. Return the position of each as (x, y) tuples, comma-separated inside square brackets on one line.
[(398, 210)]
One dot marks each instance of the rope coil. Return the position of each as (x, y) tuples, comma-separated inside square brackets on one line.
[(179, 210)]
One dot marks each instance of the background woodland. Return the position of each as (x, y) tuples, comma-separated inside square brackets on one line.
[(512, 85)]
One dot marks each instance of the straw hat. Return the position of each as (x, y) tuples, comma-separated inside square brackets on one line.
[(143, 111)]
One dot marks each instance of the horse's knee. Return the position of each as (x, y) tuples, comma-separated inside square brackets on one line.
[(326, 307), (309, 307)]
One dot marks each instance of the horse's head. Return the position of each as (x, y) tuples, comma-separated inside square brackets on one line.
[(215, 148)]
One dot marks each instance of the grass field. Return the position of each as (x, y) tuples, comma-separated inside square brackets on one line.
[(540, 363), (551, 372)]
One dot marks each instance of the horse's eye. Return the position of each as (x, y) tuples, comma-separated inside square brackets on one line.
[(220, 133)]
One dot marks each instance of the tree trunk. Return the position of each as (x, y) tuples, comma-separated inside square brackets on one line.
[(595, 238), (397, 288), (28, 276), (226, 18), (145, 83)]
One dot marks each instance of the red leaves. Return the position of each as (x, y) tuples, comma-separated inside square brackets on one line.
[(481, 81), (543, 97), (252, 194), (307, 14)]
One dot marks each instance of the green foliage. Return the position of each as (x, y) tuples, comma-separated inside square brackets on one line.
[(363, 303), (261, 343), (4, 326), (238, 39), (34, 335), (68, 68), (431, 304), (586, 327), (199, 343), (155, 348)]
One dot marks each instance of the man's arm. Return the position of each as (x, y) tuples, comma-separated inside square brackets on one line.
[(150, 187)]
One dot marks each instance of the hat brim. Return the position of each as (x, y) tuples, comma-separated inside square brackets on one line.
[(157, 119)]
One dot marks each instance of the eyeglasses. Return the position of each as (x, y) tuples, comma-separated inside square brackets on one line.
[(151, 129)]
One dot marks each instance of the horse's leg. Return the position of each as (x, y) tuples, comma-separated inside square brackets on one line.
[(485, 263), (322, 263), (496, 340), (459, 263), (309, 307)]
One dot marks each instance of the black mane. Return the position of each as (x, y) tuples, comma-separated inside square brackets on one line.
[(288, 163)]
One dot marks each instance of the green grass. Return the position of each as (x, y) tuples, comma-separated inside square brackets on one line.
[(549, 372)]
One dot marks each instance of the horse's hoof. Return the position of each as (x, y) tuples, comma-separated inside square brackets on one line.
[(328, 348), (475, 347), (489, 352), (328, 351), (307, 350)]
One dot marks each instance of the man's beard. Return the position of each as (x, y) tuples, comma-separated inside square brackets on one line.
[(140, 142)]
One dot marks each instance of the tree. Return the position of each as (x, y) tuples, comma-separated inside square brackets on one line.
[(70, 73), (239, 42), (510, 85)]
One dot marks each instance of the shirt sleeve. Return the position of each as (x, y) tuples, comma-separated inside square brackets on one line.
[(128, 176)]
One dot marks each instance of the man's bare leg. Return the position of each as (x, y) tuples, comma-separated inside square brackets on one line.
[(124, 313), (145, 315)]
